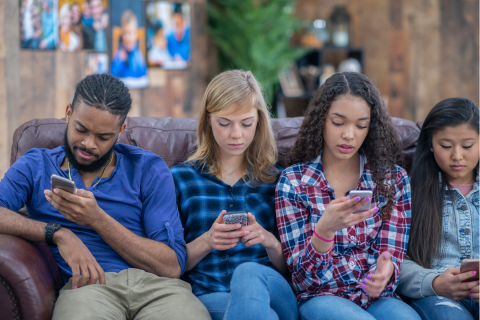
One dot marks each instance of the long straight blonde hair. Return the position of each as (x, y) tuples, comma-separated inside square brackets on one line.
[(239, 91)]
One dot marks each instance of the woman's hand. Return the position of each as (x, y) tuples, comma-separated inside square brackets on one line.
[(257, 234), (223, 236), (339, 215), (377, 282), (474, 293), (449, 284)]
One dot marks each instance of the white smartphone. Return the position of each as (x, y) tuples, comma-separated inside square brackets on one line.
[(362, 194), (58, 182), (470, 265)]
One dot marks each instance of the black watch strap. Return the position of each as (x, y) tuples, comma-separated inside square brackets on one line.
[(50, 229)]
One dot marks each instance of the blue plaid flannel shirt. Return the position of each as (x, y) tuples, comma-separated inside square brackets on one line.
[(200, 199)]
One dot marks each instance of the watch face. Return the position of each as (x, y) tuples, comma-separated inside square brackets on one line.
[(55, 225)]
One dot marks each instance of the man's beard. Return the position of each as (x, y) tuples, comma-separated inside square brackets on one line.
[(92, 167)]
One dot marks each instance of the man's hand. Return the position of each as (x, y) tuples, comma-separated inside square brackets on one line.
[(79, 258), (377, 282), (81, 208), (449, 284)]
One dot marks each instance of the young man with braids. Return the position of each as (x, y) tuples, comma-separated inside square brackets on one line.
[(118, 241)]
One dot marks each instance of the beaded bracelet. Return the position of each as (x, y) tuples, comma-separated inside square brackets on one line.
[(322, 238)]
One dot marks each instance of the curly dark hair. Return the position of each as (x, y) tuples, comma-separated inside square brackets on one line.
[(381, 146)]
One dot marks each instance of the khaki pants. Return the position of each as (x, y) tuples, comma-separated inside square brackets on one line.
[(130, 294)]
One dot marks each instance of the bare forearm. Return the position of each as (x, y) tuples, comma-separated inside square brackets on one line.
[(196, 251), (275, 255), (150, 255), (14, 224)]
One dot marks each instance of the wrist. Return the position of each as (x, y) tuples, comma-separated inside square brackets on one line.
[(207, 241), (272, 243), (324, 232), (60, 236)]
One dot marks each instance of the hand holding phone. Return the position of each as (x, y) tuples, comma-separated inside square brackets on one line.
[(236, 217), (470, 265), (58, 182), (362, 194)]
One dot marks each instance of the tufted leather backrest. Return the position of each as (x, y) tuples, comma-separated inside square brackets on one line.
[(173, 139)]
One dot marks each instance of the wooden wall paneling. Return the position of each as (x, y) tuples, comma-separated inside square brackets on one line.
[(155, 102), (37, 90), (427, 60), (176, 87), (459, 49), (69, 70), (4, 141), (396, 96), (11, 77), (137, 101)]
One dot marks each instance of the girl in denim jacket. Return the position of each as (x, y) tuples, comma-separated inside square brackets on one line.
[(445, 214)]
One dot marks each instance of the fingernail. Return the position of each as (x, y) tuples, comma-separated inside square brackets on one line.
[(385, 255), (369, 277), (348, 197), (247, 232), (474, 272), (367, 199), (239, 225), (363, 287), (48, 198), (364, 281), (370, 216), (357, 199), (471, 290), (470, 295), (376, 209), (56, 191)]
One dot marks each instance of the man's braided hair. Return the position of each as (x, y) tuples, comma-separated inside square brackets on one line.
[(104, 92)]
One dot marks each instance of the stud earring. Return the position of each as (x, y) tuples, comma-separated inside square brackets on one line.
[(431, 149), (118, 140)]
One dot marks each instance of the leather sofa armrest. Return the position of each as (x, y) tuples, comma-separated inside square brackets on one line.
[(29, 279)]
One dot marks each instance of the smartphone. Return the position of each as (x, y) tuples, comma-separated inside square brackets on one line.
[(236, 217), (470, 265), (362, 194), (58, 182)]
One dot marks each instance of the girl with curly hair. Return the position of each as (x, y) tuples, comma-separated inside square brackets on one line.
[(345, 265), (235, 271), (445, 219)]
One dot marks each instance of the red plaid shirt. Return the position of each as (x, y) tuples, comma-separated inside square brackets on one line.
[(301, 198)]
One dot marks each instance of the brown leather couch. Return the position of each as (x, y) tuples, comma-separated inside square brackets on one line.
[(29, 276)]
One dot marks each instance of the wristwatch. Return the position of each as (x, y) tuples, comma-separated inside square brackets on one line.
[(50, 229)]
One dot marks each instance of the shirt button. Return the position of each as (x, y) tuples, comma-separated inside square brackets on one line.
[(225, 273), (466, 230), (167, 224), (317, 259), (352, 238), (231, 205), (351, 264), (464, 207)]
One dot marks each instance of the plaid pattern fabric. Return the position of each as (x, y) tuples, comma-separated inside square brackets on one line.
[(200, 199), (301, 198)]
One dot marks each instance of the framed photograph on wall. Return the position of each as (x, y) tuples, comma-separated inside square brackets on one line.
[(38, 24), (168, 34), (128, 45), (83, 24), (96, 63), (290, 81)]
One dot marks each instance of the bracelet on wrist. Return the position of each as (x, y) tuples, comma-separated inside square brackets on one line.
[(326, 240)]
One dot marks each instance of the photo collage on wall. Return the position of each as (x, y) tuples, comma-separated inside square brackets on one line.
[(125, 39)]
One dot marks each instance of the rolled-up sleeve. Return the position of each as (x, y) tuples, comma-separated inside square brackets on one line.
[(160, 212)]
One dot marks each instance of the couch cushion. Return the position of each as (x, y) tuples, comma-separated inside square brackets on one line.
[(173, 139)]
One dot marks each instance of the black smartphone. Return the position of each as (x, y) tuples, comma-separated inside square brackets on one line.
[(236, 217), (58, 182)]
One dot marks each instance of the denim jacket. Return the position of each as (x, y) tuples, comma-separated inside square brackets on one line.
[(460, 240)]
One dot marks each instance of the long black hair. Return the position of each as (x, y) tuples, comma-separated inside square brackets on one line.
[(428, 181), (380, 146)]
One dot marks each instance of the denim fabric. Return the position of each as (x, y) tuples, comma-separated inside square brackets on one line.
[(257, 292), (460, 229), (441, 308), (333, 307)]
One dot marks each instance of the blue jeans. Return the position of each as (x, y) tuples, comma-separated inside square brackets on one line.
[(333, 308), (441, 308), (256, 292)]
